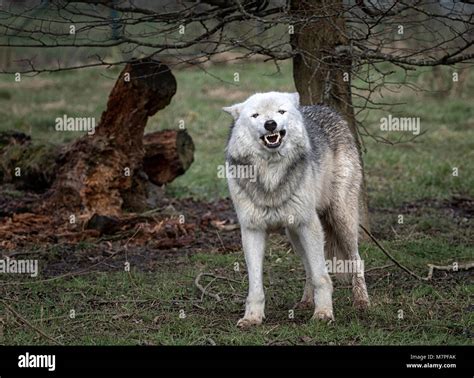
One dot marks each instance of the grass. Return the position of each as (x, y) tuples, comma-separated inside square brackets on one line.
[(140, 307), (147, 308)]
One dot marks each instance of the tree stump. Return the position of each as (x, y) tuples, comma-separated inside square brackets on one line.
[(98, 171)]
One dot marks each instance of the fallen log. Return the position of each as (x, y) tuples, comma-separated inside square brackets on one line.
[(168, 154), (113, 167)]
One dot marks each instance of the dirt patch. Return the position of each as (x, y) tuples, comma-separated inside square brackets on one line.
[(449, 217), (177, 228), (456, 207), (166, 235)]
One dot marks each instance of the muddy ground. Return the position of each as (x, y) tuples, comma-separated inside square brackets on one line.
[(175, 230)]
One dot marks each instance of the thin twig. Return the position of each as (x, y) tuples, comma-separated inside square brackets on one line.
[(203, 289), (403, 267), (27, 323), (378, 268), (432, 267)]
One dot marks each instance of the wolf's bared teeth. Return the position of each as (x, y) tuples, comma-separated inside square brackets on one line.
[(277, 140)]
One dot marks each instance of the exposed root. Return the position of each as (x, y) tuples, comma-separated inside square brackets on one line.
[(449, 268)]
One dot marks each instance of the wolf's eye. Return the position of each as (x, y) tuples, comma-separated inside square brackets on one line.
[(282, 111), (255, 115)]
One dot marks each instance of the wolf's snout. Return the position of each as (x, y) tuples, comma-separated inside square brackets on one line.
[(270, 125)]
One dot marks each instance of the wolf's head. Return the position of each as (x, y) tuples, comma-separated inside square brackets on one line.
[(268, 122)]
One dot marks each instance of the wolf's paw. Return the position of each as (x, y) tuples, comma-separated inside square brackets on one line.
[(361, 304), (325, 315), (246, 323), (359, 294)]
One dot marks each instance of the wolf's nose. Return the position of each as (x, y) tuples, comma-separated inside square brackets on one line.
[(270, 125)]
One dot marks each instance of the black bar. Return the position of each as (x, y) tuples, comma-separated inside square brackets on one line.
[(175, 361)]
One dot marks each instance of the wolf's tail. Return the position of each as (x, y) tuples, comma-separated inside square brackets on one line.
[(336, 252)]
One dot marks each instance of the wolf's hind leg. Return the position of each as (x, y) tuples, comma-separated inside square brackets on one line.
[(307, 300), (311, 238)]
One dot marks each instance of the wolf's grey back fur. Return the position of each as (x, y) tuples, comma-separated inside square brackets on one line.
[(323, 123)]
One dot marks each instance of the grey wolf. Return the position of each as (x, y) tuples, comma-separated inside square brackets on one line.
[(308, 178)]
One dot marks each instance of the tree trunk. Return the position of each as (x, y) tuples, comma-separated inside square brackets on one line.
[(322, 75), (98, 171)]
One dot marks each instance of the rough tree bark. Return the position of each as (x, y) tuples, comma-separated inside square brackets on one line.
[(168, 154), (318, 75), (99, 172)]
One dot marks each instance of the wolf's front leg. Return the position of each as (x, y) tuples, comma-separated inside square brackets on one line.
[(253, 242), (311, 238)]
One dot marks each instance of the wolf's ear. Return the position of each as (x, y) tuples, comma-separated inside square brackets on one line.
[(233, 110), (295, 98)]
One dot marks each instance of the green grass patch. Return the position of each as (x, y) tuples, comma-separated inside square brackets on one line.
[(166, 308)]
